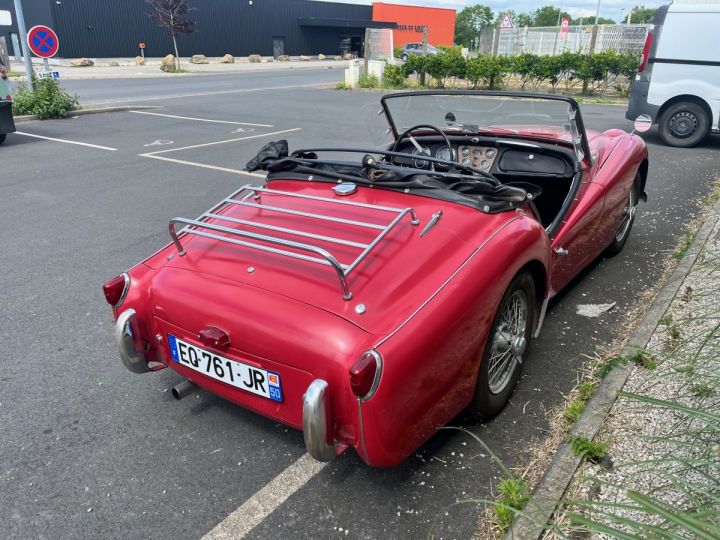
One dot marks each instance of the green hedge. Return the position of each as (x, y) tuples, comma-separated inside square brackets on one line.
[(566, 71)]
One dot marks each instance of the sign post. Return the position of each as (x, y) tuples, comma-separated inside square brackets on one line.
[(23, 33), (43, 42)]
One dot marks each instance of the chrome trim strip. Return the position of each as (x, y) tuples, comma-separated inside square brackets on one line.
[(126, 288), (362, 432), (126, 337), (323, 199), (517, 143), (542, 316), (442, 286), (317, 421)]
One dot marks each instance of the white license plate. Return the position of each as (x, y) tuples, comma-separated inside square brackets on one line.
[(249, 378)]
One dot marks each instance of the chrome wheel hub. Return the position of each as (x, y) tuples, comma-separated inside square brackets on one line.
[(508, 342)]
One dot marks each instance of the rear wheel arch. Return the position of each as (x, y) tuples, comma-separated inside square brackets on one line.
[(538, 272), (686, 98)]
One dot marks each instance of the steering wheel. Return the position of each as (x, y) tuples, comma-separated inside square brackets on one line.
[(407, 132)]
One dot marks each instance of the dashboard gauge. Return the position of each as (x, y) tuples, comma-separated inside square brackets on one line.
[(421, 163), (466, 151), (445, 153), (484, 164), (467, 162), (490, 153)]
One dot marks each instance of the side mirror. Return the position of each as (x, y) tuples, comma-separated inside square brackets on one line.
[(643, 123)]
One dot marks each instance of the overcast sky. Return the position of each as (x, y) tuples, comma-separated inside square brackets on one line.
[(576, 8)]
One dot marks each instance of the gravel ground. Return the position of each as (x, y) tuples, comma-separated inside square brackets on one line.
[(650, 446)]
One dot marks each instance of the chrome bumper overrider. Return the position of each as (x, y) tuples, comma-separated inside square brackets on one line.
[(317, 421), (127, 338)]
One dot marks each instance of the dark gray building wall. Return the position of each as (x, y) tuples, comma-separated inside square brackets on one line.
[(113, 28), (36, 12)]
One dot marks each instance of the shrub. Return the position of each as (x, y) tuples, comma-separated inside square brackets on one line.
[(530, 68), (368, 81), (447, 63), (397, 51), (47, 100), (515, 495), (415, 64), (487, 71), (393, 76), (587, 449)]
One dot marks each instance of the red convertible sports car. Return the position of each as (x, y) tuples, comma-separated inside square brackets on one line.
[(368, 300)]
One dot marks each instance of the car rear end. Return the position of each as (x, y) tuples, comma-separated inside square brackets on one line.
[(7, 124)]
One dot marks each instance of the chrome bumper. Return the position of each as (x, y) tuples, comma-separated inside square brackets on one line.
[(127, 337), (317, 421)]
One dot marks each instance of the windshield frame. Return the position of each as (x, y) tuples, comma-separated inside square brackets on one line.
[(582, 152)]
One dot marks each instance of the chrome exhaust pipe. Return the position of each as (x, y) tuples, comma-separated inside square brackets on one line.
[(183, 389)]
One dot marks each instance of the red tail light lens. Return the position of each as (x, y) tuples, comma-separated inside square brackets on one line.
[(645, 52), (365, 374), (116, 289), (214, 337)]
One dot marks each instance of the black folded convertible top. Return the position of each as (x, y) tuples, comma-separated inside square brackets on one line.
[(483, 193)]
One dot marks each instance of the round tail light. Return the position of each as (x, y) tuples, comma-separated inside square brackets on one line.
[(115, 289), (365, 374)]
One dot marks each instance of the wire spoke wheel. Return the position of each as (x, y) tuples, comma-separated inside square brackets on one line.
[(508, 341), (627, 216)]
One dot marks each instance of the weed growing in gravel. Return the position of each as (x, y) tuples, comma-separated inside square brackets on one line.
[(605, 366), (643, 359), (685, 241), (514, 497), (587, 449)]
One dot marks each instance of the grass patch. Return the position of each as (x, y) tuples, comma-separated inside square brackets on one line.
[(343, 86), (587, 449), (605, 366), (702, 390), (514, 496), (178, 70), (643, 359), (685, 242), (368, 81), (13, 74)]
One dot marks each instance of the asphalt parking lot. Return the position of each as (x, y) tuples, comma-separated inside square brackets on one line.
[(90, 450)]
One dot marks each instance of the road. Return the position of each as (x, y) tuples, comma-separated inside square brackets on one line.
[(200, 87), (90, 450)]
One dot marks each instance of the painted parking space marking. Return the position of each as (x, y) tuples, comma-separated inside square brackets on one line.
[(203, 145), (222, 92), (209, 120), (204, 165), (159, 142), (254, 511), (66, 141)]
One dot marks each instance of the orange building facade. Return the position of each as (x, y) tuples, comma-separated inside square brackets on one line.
[(411, 19)]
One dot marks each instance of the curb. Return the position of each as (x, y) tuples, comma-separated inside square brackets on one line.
[(93, 109), (530, 522)]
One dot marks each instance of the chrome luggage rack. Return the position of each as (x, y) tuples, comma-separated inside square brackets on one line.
[(316, 255)]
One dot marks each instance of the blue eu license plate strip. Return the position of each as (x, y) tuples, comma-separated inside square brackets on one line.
[(249, 378)]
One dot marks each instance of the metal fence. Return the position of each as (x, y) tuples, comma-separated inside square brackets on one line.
[(553, 40)]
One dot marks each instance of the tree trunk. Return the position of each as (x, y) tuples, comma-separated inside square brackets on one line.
[(177, 56)]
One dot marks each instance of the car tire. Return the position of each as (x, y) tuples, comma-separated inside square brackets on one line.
[(683, 124), (404, 57), (3, 136), (626, 221), (507, 342)]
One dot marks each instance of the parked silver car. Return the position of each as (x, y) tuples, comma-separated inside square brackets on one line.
[(415, 48)]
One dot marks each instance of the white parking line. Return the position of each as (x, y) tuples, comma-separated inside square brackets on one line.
[(66, 141), (203, 165), (221, 92), (221, 142), (202, 119), (253, 511)]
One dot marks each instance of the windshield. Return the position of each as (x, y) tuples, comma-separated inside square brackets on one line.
[(475, 113)]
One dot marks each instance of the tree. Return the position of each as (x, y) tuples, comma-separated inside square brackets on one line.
[(589, 21), (548, 16), (173, 16), (519, 19), (642, 15), (470, 21)]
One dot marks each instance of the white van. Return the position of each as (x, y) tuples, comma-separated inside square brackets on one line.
[(678, 80)]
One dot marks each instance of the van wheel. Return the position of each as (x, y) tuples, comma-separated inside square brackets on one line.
[(3, 136), (506, 346), (683, 124)]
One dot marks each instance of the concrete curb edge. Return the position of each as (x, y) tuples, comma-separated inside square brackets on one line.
[(531, 522), (90, 109)]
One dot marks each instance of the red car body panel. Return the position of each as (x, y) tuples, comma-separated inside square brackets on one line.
[(429, 301)]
